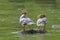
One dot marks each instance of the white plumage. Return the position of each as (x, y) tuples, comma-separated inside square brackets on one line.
[(25, 20), (42, 21)]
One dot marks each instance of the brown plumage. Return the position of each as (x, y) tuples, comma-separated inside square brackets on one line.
[(23, 11), (41, 16)]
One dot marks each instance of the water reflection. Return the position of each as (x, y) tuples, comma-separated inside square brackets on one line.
[(32, 37)]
